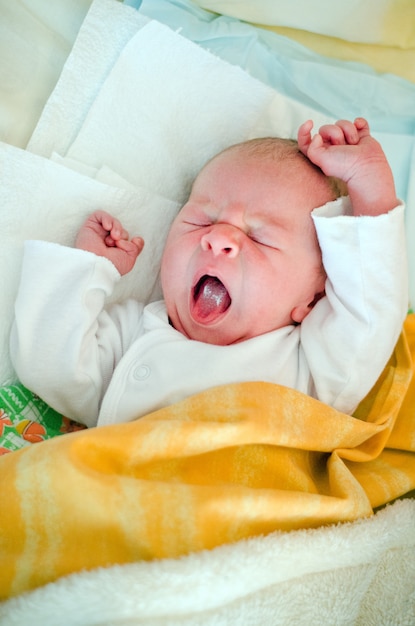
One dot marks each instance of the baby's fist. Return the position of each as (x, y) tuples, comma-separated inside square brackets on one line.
[(105, 236)]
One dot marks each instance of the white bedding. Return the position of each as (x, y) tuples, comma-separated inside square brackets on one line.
[(360, 574), (119, 116)]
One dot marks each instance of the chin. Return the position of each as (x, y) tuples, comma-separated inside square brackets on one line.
[(209, 335), (213, 335), (219, 333)]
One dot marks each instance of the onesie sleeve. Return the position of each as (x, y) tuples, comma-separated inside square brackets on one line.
[(350, 334), (64, 345)]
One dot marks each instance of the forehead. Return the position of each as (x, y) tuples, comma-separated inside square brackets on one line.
[(256, 165), (233, 169), (261, 181)]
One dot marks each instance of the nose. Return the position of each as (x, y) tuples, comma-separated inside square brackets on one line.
[(222, 239)]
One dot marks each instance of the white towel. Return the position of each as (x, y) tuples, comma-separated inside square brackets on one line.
[(105, 31), (160, 109), (360, 574)]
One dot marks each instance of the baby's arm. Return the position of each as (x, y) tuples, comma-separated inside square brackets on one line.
[(64, 344), (350, 334), (105, 236), (60, 320), (347, 151)]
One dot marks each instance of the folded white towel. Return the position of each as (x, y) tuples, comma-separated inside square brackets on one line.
[(161, 107), (106, 29)]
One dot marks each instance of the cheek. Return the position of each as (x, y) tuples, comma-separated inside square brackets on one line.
[(172, 256), (261, 284), (267, 269), (168, 273), (271, 283), (164, 268), (174, 264)]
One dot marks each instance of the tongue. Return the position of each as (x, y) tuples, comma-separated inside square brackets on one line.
[(211, 298)]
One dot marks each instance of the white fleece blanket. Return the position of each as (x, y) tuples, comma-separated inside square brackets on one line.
[(360, 574)]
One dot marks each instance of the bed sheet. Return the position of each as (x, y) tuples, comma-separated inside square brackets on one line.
[(380, 34)]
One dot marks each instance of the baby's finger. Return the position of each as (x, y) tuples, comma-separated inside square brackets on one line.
[(118, 232), (333, 134), (138, 242), (110, 242), (316, 142), (132, 247), (304, 136), (112, 226), (349, 131), (106, 220), (362, 126), (115, 234)]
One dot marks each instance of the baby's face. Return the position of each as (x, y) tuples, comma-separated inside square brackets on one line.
[(242, 257)]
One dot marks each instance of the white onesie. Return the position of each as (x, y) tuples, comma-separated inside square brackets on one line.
[(102, 366)]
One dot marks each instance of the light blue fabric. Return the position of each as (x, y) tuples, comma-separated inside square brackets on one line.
[(337, 88)]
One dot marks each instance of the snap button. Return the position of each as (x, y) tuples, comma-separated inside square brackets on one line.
[(141, 372)]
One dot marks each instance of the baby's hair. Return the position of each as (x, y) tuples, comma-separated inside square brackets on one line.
[(269, 147), (279, 148)]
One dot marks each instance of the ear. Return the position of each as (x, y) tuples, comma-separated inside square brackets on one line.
[(301, 311)]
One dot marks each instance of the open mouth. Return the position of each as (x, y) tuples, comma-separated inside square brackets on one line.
[(211, 299)]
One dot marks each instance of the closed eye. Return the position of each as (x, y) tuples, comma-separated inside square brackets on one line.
[(197, 224), (264, 242)]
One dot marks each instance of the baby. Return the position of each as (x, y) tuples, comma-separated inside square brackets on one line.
[(266, 274)]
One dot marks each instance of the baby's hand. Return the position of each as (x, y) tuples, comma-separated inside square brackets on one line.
[(347, 151), (105, 236)]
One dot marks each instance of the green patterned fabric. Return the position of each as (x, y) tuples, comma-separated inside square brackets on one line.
[(26, 419)]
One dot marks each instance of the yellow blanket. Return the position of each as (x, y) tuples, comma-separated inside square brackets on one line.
[(233, 462)]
